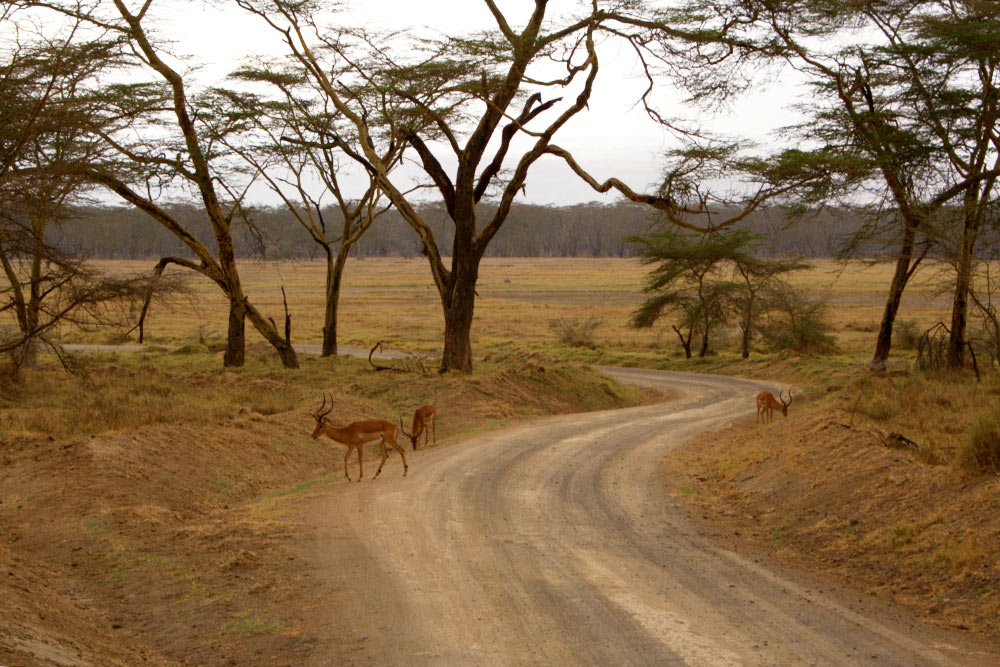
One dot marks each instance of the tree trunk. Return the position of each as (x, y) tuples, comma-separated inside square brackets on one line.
[(236, 336), (704, 346), (745, 330), (458, 326), (899, 279), (267, 329), (458, 292), (963, 283), (685, 343), (29, 353), (334, 275), (959, 318)]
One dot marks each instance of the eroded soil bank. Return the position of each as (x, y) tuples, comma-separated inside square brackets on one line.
[(174, 543), (823, 492)]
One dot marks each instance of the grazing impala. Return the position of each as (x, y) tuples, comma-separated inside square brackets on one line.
[(767, 404), (422, 416), (357, 434)]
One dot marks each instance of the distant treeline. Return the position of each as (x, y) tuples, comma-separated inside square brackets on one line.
[(582, 230)]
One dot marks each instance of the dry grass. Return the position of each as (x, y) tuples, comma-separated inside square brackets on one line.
[(981, 450), (936, 410), (823, 490), (121, 393), (394, 300), (810, 486)]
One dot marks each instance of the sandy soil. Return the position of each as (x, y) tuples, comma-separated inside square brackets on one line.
[(560, 540), (554, 542)]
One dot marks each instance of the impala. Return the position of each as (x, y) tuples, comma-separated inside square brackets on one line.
[(357, 434), (767, 404), (422, 416)]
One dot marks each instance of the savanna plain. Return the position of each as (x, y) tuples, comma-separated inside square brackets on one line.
[(152, 503)]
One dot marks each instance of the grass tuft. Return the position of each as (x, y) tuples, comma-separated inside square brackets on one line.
[(981, 450)]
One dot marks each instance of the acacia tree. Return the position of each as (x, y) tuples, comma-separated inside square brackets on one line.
[(757, 278), (478, 111), (708, 278), (47, 110), (293, 146), (687, 280), (986, 298), (956, 73), (176, 147), (903, 108)]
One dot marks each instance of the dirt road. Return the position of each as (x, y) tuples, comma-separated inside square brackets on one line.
[(555, 543)]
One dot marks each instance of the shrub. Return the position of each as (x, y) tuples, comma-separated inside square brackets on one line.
[(576, 333), (981, 451), (906, 335), (798, 324)]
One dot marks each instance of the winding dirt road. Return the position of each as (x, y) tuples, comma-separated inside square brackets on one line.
[(555, 543)]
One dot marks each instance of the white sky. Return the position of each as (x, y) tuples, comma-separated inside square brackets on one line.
[(611, 138)]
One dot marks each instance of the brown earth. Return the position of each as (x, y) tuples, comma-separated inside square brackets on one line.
[(180, 544), (823, 493), (175, 543)]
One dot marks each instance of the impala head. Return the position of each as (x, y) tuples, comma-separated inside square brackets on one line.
[(784, 405), (320, 416)]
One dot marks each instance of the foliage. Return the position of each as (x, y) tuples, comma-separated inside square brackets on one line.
[(478, 110), (531, 230), (906, 334), (687, 282), (576, 333), (159, 136), (705, 280), (798, 324), (902, 118)]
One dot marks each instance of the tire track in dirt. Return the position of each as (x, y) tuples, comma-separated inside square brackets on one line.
[(555, 542)]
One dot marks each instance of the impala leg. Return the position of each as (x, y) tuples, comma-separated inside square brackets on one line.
[(347, 473), (361, 464), (435, 425), (385, 455), (395, 445)]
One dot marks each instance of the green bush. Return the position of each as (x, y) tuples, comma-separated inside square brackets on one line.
[(804, 334), (906, 335), (577, 333), (797, 323)]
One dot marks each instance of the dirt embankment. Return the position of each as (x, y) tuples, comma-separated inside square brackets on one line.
[(825, 493), (168, 544)]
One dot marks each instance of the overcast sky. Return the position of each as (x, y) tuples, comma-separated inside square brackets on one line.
[(611, 138)]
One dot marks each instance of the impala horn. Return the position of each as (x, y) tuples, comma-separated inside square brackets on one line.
[(403, 428), (783, 400), (319, 414)]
